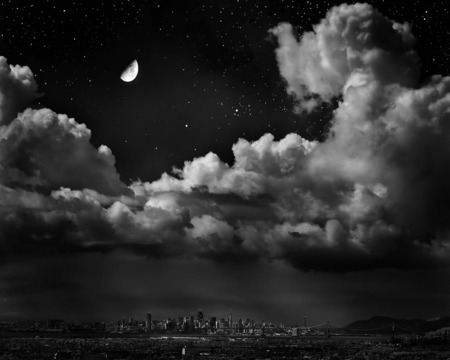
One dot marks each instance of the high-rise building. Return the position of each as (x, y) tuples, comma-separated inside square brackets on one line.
[(240, 326), (191, 323), (148, 322), (230, 319), (213, 322), (200, 315)]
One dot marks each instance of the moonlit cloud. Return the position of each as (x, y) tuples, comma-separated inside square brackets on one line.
[(373, 194), (40, 148), (17, 88), (353, 41)]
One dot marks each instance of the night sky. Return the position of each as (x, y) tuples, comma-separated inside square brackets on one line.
[(320, 180)]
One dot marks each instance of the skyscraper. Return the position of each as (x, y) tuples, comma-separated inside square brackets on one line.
[(240, 326), (230, 319), (148, 322), (200, 315), (191, 323), (213, 323)]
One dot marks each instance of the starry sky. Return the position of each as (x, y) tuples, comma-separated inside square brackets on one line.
[(207, 67), (209, 75)]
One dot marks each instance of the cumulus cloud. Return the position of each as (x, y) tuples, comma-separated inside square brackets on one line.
[(351, 42), (258, 167), (373, 194), (40, 148), (17, 88)]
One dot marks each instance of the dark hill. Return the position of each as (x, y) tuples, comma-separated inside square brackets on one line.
[(383, 325)]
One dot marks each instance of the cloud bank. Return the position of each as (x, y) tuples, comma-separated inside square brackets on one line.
[(375, 193)]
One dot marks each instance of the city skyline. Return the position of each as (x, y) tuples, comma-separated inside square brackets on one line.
[(215, 326), (278, 159)]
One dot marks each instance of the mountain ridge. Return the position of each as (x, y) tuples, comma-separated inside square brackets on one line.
[(386, 324)]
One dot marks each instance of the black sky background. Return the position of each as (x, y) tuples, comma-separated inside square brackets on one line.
[(208, 76), (208, 65)]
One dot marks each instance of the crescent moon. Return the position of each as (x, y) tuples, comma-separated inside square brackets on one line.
[(130, 73)]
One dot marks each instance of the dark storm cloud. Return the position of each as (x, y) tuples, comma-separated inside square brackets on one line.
[(373, 194), (75, 221)]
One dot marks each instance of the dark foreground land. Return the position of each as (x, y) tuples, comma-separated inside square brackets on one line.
[(307, 348)]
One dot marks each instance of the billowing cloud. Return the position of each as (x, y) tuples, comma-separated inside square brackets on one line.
[(40, 148), (259, 168), (353, 41), (373, 194), (17, 88)]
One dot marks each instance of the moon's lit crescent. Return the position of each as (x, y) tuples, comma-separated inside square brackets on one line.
[(130, 73)]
